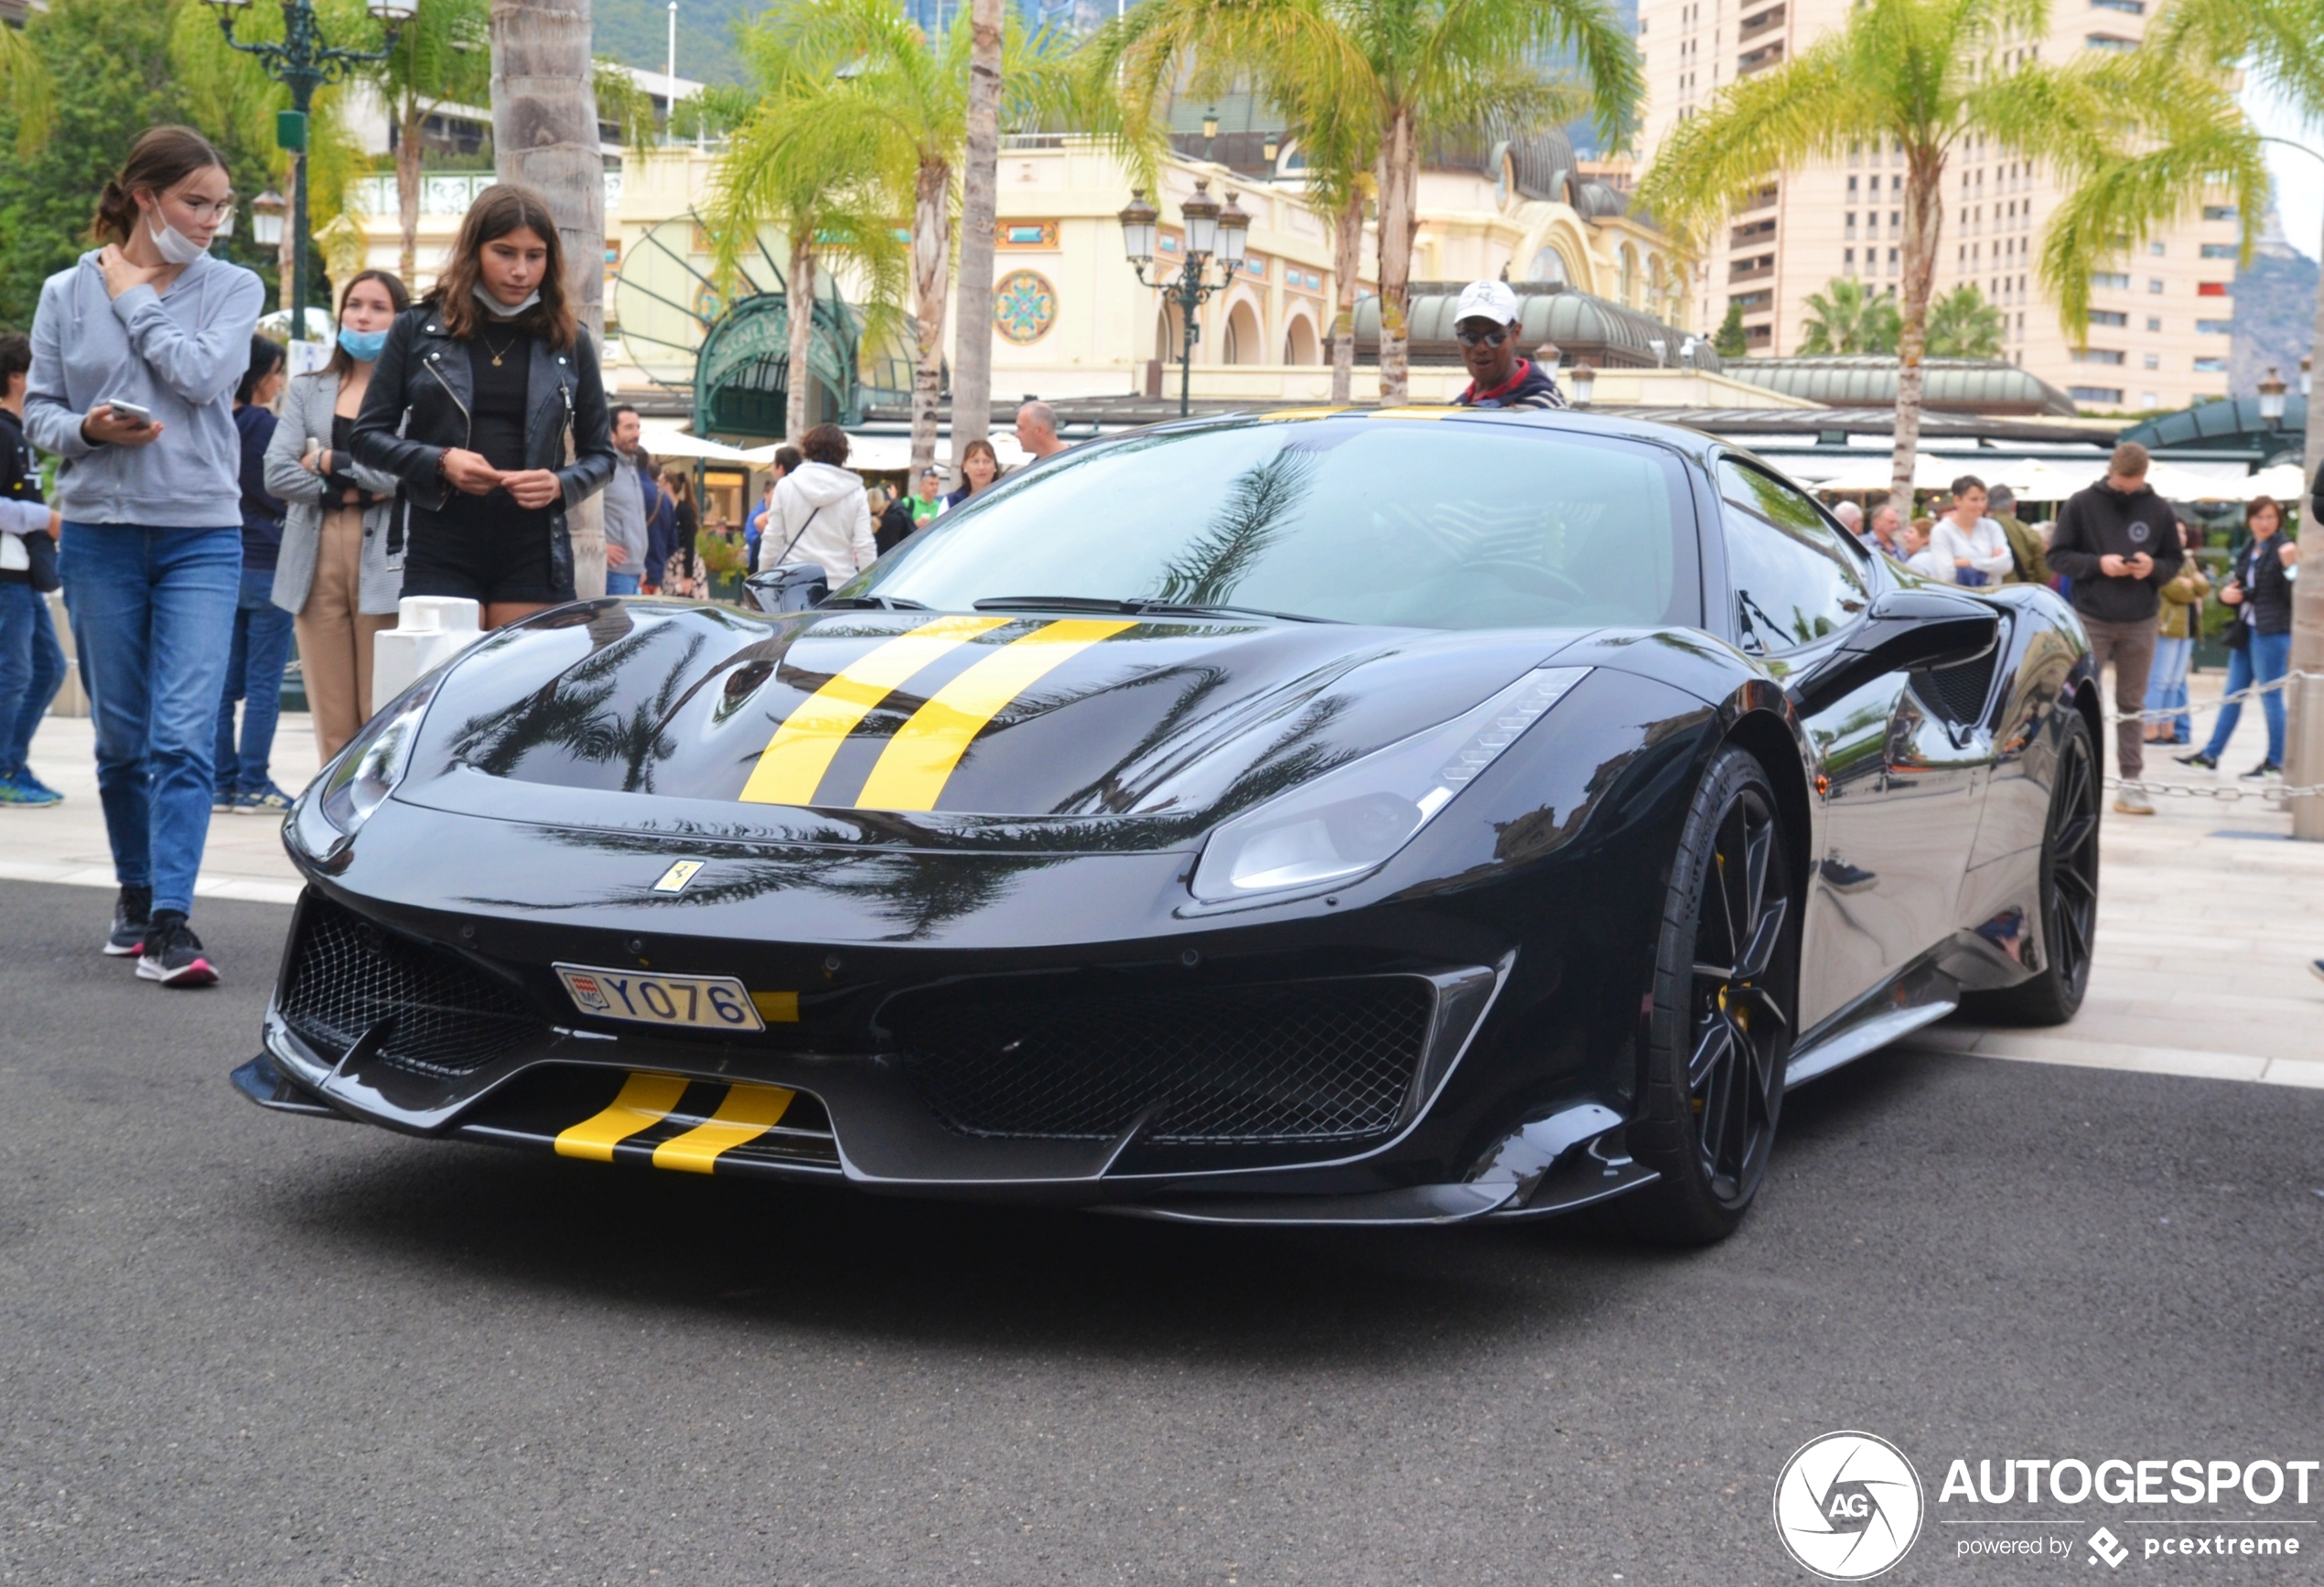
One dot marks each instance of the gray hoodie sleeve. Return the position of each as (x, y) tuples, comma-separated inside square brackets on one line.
[(51, 422), (199, 366)]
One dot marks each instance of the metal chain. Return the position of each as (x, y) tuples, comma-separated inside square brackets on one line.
[(2183, 790), (2173, 712)]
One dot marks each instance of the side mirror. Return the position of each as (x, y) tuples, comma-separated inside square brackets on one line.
[(795, 586), (1904, 632)]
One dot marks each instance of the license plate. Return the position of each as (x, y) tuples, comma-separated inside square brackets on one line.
[(717, 1002)]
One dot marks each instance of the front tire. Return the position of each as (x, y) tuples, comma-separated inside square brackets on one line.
[(1726, 990), (2069, 894)]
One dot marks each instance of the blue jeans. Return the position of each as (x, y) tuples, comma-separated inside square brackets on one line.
[(152, 618), (620, 584), (2267, 658), (32, 669), (2167, 685), (255, 676)]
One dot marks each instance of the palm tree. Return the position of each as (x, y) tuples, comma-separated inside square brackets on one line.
[(26, 83), (442, 57), (808, 163), (980, 221), (1930, 74), (1848, 317), (898, 100), (1963, 324), (2275, 43), (1405, 71)]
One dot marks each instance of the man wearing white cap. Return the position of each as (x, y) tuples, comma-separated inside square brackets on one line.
[(1486, 323)]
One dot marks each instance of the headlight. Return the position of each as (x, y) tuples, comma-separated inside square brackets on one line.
[(1351, 821), (368, 769)]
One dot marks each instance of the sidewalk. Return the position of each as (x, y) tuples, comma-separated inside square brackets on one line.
[(2207, 912)]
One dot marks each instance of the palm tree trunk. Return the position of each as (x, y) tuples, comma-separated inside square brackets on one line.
[(931, 249), (2304, 752), (980, 214), (1346, 262), (407, 194), (285, 259), (1923, 222), (1399, 222), (800, 302), (544, 135)]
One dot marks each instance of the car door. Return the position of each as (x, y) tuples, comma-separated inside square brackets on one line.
[(1903, 783)]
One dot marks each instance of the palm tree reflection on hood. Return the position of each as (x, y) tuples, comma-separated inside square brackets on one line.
[(1257, 509), (577, 711)]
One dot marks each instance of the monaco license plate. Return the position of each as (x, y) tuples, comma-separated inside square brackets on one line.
[(717, 1002)]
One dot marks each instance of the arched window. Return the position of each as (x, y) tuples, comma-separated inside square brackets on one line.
[(1299, 343), (1548, 265), (1243, 343)]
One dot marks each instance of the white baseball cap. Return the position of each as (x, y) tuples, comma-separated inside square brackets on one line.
[(1489, 300)]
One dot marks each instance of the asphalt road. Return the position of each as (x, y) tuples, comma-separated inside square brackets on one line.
[(241, 1347)]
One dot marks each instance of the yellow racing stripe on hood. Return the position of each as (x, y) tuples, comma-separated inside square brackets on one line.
[(801, 751), (918, 762)]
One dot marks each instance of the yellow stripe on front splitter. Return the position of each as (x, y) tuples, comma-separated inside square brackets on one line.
[(912, 770), (749, 1113), (802, 749), (645, 1101)]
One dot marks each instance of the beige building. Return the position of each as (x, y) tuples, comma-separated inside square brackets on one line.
[(2159, 322)]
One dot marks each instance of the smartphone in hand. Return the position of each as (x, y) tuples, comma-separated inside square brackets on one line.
[(134, 413)]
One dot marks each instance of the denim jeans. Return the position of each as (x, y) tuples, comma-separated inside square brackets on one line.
[(620, 584), (153, 617), (32, 669), (254, 675), (2167, 685), (2269, 657)]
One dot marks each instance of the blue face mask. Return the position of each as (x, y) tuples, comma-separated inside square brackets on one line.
[(362, 346)]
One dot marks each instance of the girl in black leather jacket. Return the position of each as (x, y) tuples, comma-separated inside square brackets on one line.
[(487, 402)]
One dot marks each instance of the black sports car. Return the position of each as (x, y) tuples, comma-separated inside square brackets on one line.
[(1318, 818)]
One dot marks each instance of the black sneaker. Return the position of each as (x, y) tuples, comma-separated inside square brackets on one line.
[(2200, 758), (173, 954), (129, 920), (2264, 768)]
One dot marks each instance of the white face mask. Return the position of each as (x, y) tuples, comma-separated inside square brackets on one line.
[(499, 310), (175, 247)]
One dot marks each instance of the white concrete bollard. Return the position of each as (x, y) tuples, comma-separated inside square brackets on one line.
[(429, 631)]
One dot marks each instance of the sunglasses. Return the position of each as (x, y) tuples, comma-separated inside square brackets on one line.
[(1482, 338)]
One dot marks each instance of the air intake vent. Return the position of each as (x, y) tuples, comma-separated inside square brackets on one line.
[(449, 1019)]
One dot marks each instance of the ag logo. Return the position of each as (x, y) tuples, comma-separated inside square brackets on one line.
[(1847, 1505), (2140, 533)]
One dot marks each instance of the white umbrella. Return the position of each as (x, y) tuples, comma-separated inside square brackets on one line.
[(666, 440), (2284, 482), (1873, 473), (2034, 480)]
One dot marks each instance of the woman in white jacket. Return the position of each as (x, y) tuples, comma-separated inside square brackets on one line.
[(1975, 544), (819, 513)]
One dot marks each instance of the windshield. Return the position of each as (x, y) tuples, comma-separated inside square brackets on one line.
[(1403, 523)]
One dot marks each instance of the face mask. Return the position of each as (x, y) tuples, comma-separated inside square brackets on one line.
[(177, 248), (499, 310), (362, 346)]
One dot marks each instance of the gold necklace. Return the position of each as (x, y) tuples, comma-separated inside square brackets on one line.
[(496, 352)]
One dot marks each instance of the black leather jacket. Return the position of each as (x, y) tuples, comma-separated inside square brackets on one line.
[(419, 405)]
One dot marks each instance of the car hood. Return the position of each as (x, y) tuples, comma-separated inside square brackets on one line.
[(934, 722)]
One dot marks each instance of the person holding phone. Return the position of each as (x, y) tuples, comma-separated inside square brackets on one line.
[(2258, 593), (342, 566), (488, 406), (137, 348)]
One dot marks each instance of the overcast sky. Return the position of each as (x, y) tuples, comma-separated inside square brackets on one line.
[(2299, 179)]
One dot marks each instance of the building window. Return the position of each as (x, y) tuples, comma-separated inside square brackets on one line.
[(2127, 7), (1896, 223), (2210, 365), (2219, 251), (2155, 283), (2155, 247), (2214, 327), (2219, 211), (1851, 196), (2154, 322), (2108, 41), (1892, 261), (2204, 289), (1847, 260), (2108, 316), (2115, 278), (2097, 355), (2111, 395), (1850, 231), (2154, 360)]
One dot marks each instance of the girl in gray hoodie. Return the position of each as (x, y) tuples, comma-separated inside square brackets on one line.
[(150, 495)]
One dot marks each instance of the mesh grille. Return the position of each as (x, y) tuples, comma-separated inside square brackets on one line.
[(1326, 1060), (348, 975), (1958, 693)]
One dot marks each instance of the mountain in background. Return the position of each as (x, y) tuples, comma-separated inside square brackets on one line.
[(2274, 313), (637, 33)]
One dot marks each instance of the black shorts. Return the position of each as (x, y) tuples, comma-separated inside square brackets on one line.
[(503, 562)]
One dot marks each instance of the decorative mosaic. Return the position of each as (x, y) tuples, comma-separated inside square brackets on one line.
[(1025, 234), (1024, 307)]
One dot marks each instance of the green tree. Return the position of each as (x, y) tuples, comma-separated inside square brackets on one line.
[(443, 56), (1930, 76), (1729, 342), (1847, 317), (25, 84), (1406, 71), (892, 103), (1963, 324)]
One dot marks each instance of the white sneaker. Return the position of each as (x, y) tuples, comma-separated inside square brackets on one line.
[(2133, 801)]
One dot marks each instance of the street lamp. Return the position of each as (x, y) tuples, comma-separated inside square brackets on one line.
[(1584, 383), (266, 212), (2306, 362), (303, 62), (2271, 398), (1212, 230)]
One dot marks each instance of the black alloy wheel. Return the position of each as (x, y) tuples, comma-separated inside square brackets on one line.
[(1726, 985), (2068, 883)]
